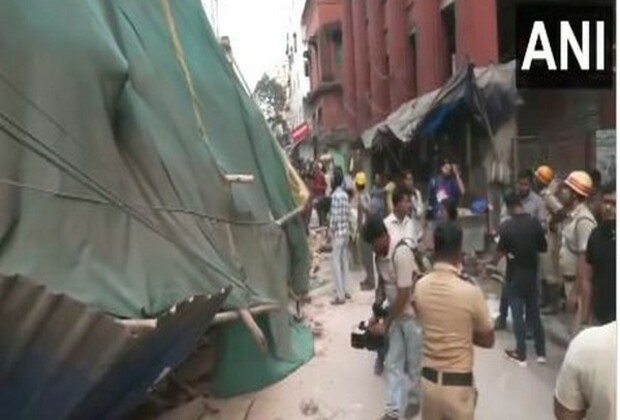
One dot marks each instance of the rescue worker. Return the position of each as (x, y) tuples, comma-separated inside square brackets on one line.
[(396, 263), (454, 317), (576, 230), (552, 292)]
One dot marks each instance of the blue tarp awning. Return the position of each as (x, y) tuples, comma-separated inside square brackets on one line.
[(489, 93)]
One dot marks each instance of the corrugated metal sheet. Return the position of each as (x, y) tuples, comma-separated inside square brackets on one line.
[(60, 359)]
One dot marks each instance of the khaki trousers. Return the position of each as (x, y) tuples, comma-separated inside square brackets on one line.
[(440, 402), (575, 319), (549, 265)]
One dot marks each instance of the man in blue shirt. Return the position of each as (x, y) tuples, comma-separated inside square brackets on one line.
[(447, 185)]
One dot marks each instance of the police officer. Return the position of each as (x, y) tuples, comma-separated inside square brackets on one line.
[(576, 229), (547, 185), (454, 317)]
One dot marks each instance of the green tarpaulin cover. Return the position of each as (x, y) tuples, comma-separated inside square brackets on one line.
[(242, 367), (119, 120)]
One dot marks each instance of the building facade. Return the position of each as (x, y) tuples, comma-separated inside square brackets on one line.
[(299, 84), (397, 50), (322, 23)]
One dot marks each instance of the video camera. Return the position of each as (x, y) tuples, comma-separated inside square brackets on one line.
[(362, 338)]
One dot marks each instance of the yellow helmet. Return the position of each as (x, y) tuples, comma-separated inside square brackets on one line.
[(544, 173), (580, 182), (360, 178)]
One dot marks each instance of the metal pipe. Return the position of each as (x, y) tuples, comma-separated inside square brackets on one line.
[(287, 217), (228, 316), (139, 325), (242, 179)]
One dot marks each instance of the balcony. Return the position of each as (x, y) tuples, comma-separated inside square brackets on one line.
[(324, 87)]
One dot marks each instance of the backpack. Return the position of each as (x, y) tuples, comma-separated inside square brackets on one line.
[(422, 261)]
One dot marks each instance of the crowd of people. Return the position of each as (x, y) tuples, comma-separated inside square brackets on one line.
[(557, 238)]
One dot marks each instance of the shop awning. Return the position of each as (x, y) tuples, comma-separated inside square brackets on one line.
[(490, 92), (300, 133)]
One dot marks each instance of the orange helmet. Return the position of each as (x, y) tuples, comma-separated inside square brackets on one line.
[(580, 182), (544, 173)]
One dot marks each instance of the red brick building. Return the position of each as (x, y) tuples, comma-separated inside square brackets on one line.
[(322, 24), (402, 49), (397, 50)]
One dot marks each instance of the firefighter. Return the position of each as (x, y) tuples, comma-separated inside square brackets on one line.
[(576, 229), (551, 281)]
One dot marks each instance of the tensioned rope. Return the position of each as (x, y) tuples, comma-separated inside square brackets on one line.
[(35, 145)]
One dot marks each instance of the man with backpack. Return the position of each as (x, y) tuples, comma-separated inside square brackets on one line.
[(398, 269)]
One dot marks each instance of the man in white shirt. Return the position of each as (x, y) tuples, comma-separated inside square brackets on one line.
[(417, 208), (586, 384)]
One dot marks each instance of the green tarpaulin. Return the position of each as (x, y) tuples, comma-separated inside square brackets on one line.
[(119, 120), (242, 367)]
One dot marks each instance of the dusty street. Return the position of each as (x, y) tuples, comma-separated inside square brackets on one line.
[(338, 383)]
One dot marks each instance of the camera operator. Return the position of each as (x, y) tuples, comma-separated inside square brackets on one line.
[(398, 269)]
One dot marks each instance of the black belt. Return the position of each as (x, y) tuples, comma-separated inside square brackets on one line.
[(448, 378)]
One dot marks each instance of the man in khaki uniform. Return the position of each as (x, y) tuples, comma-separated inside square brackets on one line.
[(547, 186), (454, 317), (576, 230)]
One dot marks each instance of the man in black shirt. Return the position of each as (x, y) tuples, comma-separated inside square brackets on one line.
[(599, 289), (521, 239)]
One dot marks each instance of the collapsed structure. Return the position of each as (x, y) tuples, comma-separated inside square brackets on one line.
[(135, 173)]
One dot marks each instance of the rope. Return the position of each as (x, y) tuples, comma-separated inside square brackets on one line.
[(164, 209), (180, 55), (65, 166)]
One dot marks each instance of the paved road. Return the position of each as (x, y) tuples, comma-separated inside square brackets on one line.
[(339, 384)]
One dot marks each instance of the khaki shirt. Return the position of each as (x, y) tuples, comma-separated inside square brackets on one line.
[(576, 231), (548, 194), (450, 310), (398, 270)]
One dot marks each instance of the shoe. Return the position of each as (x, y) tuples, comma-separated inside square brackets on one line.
[(512, 355), (337, 302), (378, 367), (347, 296), (389, 417), (500, 324), (541, 360), (411, 411)]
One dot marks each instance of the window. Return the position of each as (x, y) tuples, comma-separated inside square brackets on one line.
[(449, 27), (506, 18), (414, 54), (337, 38)]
